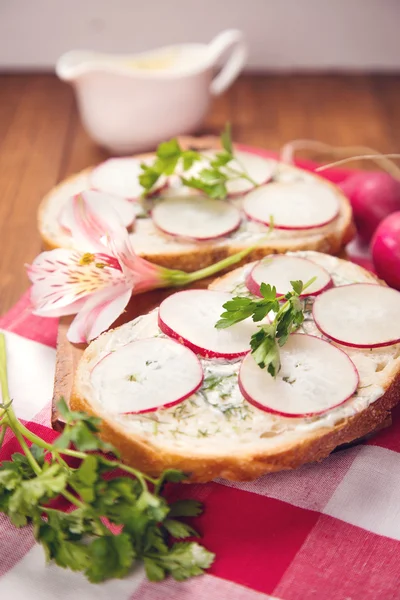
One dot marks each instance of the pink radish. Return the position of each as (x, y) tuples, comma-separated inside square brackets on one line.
[(146, 375), (259, 168), (195, 217), (120, 176), (294, 205), (190, 316), (279, 271), (386, 250), (361, 315), (125, 209), (315, 377), (373, 196)]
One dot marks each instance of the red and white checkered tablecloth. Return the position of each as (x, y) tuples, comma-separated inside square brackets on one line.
[(326, 531)]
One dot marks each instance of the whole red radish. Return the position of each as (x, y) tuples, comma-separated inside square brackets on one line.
[(385, 250), (373, 196)]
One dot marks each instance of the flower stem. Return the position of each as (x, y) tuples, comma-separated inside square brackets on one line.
[(216, 267), (179, 278)]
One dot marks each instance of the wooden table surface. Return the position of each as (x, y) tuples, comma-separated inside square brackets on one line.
[(42, 140)]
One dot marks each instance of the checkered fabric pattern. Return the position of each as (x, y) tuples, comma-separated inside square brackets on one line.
[(326, 531)]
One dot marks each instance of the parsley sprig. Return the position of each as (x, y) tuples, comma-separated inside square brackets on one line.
[(289, 315), (212, 179), (101, 489)]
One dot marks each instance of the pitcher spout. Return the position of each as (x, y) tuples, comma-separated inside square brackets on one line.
[(72, 64)]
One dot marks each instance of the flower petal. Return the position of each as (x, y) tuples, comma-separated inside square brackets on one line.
[(90, 218), (100, 311), (100, 203), (142, 274), (61, 277), (64, 311)]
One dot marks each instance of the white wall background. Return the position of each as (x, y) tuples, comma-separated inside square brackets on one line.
[(282, 34)]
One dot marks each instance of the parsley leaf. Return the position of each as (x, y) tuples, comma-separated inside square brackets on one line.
[(25, 498), (80, 430), (110, 556), (153, 571), (171, 158), (184, 560), (185, 508), (265, 343), (9, 479), (178, 529)]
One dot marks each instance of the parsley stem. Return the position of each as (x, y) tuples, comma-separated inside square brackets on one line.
[(9, 417), (57, 457), (35, 439), (3, 430), (139, 476), (241, 174), (73, 499), (82, 455), (5, 395)]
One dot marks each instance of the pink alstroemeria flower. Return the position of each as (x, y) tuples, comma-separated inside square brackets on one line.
[(96, 284)]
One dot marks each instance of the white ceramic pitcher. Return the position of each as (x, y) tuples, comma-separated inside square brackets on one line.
[(131, 103)]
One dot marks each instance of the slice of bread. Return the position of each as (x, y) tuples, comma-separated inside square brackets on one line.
[(216, 432), (189, 255)]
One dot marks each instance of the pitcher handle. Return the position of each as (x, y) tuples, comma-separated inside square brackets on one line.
[(231, 38)]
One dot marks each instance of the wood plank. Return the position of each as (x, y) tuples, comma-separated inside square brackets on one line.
[(30, 156)]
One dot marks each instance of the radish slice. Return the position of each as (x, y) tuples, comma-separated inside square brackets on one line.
[(120, 176), (259, 168), (190, 316), (315, 376), (195, 217), (279, 271), (146, 375), (293, 205), (126, 210), (362, 315)]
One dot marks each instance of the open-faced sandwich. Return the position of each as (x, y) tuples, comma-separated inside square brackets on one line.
[(186, 209), (273, 366)]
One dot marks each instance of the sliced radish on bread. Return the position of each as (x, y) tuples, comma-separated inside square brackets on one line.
[(190, 317), (294, 205), (279, 271), (126, 209), (259, 169), (120, 176), (146, 375), (361, 315), (315, 377), (195, 217)]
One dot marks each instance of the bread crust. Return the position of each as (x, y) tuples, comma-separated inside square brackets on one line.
[(331, 242), (245, 465)]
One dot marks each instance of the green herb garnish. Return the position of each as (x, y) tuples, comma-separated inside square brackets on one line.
[(80, 540), (212, 179), (265, 343)]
